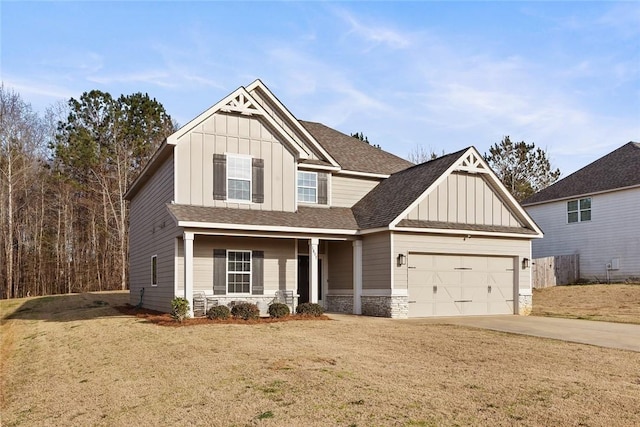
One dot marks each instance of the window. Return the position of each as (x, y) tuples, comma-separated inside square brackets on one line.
[(238, 272), (579, 210), (154, 270), (307, 187), (239, 178)]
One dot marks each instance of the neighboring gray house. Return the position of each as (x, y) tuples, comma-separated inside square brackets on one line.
[(594, 213), (245, 200)]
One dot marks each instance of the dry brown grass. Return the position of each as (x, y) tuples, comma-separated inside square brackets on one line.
[(611, 303), (75, 360)]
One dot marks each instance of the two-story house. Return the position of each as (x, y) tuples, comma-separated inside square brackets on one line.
[(246, 200)]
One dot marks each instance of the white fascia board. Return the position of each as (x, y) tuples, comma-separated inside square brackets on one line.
[(581, 196), (372, 230), (263, 88), (465, 232), (363, 174), (302, 152), (435, 184), (317, 167), (278, 229), (249, 233)]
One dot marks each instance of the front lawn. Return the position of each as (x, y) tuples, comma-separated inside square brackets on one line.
[(75, 360), (611, 303)]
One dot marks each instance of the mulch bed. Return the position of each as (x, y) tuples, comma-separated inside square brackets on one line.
[(165, 319)]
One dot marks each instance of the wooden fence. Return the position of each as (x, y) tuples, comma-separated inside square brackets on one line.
[(555, 270)]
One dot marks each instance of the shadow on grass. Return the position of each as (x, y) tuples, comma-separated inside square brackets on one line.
[(65, 308)]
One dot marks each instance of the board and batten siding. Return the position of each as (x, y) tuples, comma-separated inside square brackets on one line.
[(376, 261), (340, 266), (405, 243), (234, 134), (152, 231), (347, 191), (466, 199), (612, 233), (280, 264)]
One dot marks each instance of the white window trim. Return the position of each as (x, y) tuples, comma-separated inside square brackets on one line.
[(315, 202), (578, 210), (154, 258), (239, 156), (250, 273)]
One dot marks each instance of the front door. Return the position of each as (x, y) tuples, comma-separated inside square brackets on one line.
[(303, 279)]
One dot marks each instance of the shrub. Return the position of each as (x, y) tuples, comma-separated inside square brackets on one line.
[(179, 309), (219, 312), (309, 309), (245, 310), (278, 309)]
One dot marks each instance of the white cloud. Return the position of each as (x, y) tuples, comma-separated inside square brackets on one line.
[(374, 33)]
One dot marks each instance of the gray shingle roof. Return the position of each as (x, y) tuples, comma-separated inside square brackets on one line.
[(618, 169), (353, 154), (467, 227), (392, 196), (306, 217)]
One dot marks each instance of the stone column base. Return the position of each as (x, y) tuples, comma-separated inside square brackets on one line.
[(525, 305), (396, 307), (339, 303)]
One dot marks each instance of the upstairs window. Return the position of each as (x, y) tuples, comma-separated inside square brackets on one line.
[(579, 210), (239, 178), (307, 187)]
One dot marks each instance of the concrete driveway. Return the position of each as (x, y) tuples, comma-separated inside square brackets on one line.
[(603, 334)]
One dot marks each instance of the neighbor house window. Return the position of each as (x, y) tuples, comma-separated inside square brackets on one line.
[(579, 210), (238, 272), (239, 178), (307, 187), (154, 270)]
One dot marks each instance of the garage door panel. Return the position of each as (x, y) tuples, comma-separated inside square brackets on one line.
[(452, 285)]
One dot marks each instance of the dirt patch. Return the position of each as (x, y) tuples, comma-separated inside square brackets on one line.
[(94, 365), (611, 303)]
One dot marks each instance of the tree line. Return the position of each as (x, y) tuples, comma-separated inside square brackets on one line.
[(63, 176)]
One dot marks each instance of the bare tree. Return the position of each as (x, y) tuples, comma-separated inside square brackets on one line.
[(420, 154)]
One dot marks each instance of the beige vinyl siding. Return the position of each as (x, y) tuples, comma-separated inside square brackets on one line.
[(613, 232), (152, 232), (376, 261), (280, 264), (347, 191), (234, 134), (340, 265), (464, 198), (405, 243)]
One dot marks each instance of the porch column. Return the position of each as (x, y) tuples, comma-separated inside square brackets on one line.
[(313, 270), (188, 269), (357, 276)]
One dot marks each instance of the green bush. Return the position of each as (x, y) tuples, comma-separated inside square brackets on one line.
[(309, 309), (278, 309), (245, 310), (179, 309), (219, 312)]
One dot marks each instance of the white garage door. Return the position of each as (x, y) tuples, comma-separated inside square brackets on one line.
[(454, 285)]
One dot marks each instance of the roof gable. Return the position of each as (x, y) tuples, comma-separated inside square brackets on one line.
[(353, 154), (618, 169), (389, 203)]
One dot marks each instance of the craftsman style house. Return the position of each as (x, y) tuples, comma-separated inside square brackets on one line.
[(246, 201), (594, 213)]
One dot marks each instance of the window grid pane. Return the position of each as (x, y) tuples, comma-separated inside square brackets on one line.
[(307, 187), (239, 272), (239, 178)]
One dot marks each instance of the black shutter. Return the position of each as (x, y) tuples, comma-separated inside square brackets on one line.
[(322, 188), (219, 177), (257, 272), (257, 170), (219, 271)]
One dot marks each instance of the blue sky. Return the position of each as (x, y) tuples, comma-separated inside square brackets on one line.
[(441, 75)]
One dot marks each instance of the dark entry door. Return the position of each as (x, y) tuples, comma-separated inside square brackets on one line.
[(303, 278)]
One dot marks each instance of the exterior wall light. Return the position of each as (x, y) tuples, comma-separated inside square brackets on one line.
[(525, 263), (402, 260)]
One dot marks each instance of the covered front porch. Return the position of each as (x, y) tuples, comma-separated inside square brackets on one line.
[(263, 268)]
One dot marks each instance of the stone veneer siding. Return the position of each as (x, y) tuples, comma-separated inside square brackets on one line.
[(339, 303), (396, 307), (525, 305)]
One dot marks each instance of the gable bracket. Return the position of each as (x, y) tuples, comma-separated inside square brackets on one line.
[(241, 104), (472, 164)]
